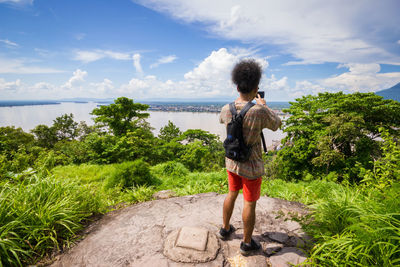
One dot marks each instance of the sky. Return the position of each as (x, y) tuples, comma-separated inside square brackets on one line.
[(179, 49)]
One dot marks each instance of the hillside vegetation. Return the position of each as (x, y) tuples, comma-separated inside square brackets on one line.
[(341, 157)]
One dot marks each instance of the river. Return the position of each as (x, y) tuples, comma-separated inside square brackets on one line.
[(27, 117)]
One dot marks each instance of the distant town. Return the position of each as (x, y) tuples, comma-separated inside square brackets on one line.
[(205, 107)]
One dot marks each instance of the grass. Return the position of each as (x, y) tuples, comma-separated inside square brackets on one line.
[(357, 227), (39, 214), (304, 192)]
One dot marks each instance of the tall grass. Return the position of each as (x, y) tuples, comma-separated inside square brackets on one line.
[(302, 191), (38, 214), (355, 227)]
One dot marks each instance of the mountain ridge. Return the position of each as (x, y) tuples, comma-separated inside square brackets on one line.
[(391, 93)]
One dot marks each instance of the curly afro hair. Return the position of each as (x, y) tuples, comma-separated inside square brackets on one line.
[(246, 75)]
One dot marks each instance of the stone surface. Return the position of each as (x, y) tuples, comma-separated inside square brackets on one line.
[(192, 237), (164, 194), (287, 257), (278, 236), (271, 248), (186, 253), (136, 235)]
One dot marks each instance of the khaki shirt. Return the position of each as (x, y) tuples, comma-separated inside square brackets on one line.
[(257, 118)]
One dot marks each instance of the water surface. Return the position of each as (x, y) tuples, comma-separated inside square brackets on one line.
[(27, 117)]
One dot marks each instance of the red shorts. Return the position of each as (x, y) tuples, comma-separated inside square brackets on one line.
[(251, 188)]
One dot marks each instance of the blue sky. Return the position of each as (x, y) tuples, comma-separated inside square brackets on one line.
[(162, 49)]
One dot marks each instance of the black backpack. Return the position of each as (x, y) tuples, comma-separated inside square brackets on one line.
[(234, 145)]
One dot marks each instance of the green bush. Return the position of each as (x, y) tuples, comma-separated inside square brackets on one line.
[(39, 214), (129, 174), (170, 168)]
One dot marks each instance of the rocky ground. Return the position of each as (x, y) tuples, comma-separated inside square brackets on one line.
[(157, 233)]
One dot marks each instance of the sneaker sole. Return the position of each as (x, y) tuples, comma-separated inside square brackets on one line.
[(221, 237), (245, 253)]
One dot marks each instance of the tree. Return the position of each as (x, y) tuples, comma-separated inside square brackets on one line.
[(65, 127), (331, 132), (84, 130), (121, 116), (12, 139), (45, 136), (169, 132)]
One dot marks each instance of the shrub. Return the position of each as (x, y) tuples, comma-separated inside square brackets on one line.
[(129, 174), (170, 168)]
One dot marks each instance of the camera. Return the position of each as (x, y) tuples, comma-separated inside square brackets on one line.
[(261, 93)]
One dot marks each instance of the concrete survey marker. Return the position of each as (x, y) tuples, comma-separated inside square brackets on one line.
[(191, 244), (194, 238)]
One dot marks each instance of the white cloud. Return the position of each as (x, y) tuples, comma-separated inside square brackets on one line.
[(362, 78), (163, 60), (8, 43), (22, 66), (398, 42), (210, 78), (87, 56), (17, 2), (136, 64), (77, 77), (103, 88), (310, 31), (9, 86), (359, 78), (273, 84)]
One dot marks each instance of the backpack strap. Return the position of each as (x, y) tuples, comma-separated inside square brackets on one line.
[(246, 108), (232, 108), (263, 143)]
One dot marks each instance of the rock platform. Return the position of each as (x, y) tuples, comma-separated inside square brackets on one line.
[(181, 232)]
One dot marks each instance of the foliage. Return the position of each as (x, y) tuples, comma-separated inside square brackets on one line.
[(194, 156), (169, 132), (12, 139), (73, 151), (45, 136), (38, 214), (354, 227), (138, 143), (170, 169), (65, 127), (202, 151), (332, 132), (121, 116), (168, 151), (129, 174), (386, 169)]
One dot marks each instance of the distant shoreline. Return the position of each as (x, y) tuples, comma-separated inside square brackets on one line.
[(26, 103), (211, 107)]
